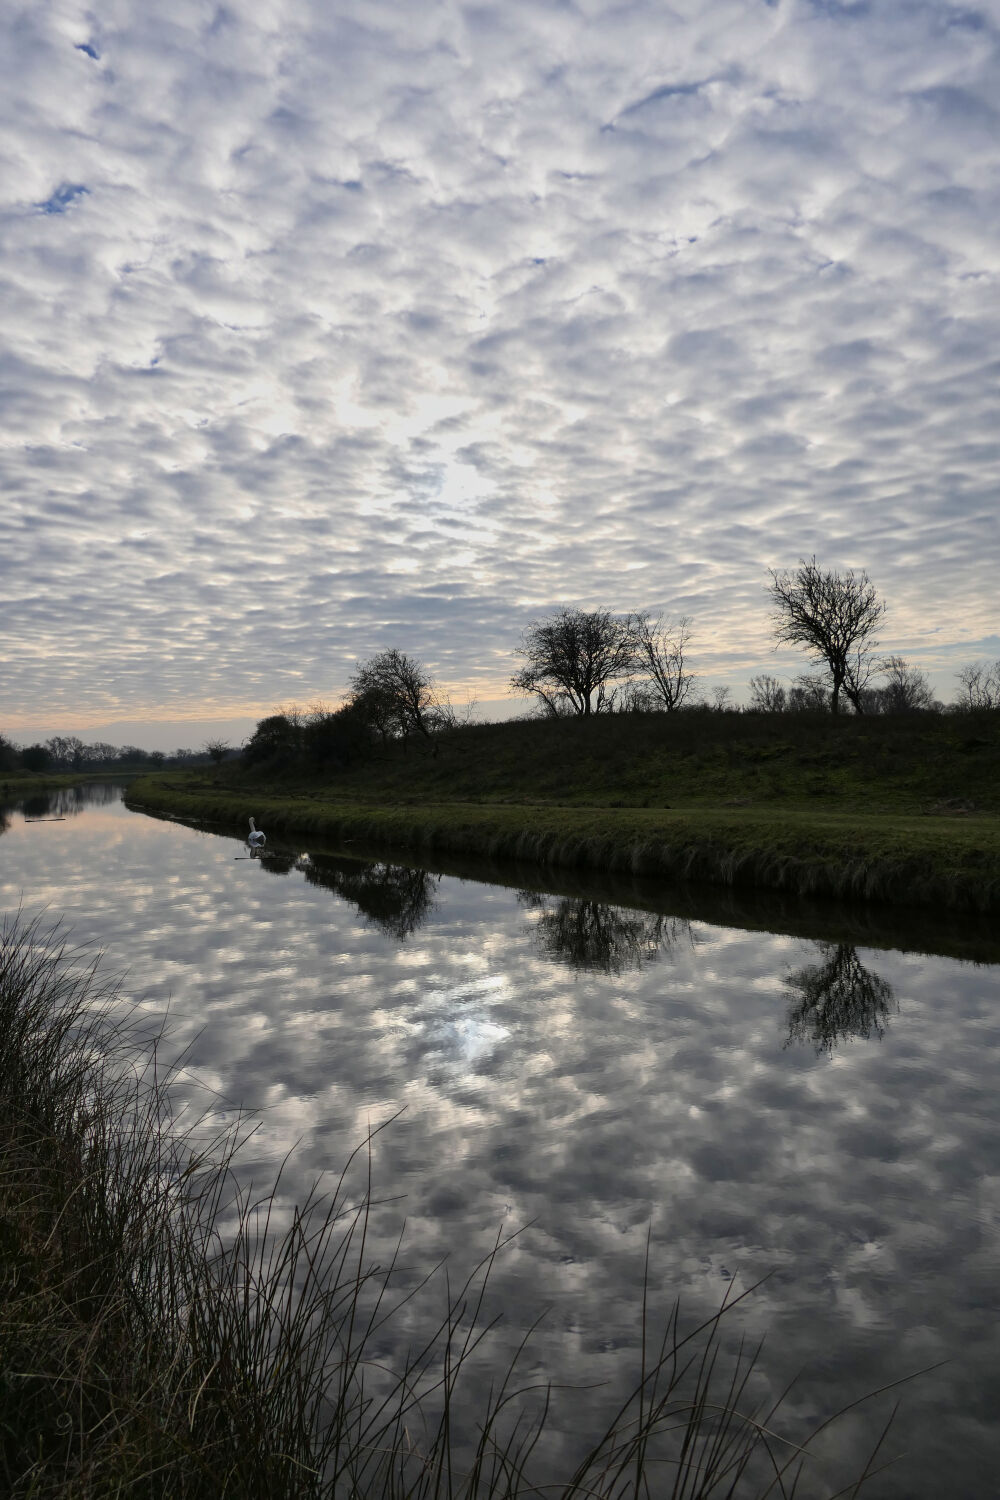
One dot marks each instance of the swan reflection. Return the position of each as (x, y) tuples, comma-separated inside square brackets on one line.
[(837, 998), (599, 937)]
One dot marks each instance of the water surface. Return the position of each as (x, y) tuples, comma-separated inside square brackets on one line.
[(819, 1110)]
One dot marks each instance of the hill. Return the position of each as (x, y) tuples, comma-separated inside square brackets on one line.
[(920, 763)]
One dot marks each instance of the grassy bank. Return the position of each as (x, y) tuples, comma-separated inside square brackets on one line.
[(902, 858), (159, 1336), (901, 810)]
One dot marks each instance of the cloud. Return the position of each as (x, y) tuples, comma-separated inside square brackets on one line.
[(495, 307)]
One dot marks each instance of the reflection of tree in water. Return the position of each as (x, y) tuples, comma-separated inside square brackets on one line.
[(68, 801), (595, 935), (837, 998), (394, 898), (275, 861), (4, 819)]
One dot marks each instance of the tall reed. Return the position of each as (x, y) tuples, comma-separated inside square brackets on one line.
[(164, 1333)]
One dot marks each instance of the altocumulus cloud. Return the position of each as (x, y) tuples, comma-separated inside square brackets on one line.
[(330, 326)]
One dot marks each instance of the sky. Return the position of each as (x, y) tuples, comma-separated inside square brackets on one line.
[(330, 327)]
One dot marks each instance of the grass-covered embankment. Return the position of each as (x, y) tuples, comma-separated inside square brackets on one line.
[(894, 810), (160, 1336)]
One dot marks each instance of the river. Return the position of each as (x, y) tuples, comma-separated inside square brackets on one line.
[(597, 1064)]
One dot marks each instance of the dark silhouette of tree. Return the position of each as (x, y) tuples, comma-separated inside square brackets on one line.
[(395, 694), (979, 687), (837, 998), (834, 616), (100, 753), (599, 937), (905, 691), (277, 740), (337, 740), (809, 695), (36, 758), (217, 750), (660, 651), (8, 754), (396, 899), (571, 658), (767, 695), (68, 752)]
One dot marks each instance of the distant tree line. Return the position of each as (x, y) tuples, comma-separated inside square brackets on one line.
[(69, 753)]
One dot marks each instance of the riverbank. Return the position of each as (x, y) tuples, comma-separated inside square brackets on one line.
[(906, 859)]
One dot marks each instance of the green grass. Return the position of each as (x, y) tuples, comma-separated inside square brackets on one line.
[(162, 1336), (887, 763), (901, 811)]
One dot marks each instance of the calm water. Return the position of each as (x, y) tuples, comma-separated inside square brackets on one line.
[(822, 1111)]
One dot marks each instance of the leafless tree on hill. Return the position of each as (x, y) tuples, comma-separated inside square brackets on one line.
[(834, 616), (660, 650), (979, 686), (809, 695), (767, 695), (572, 660), (396, 693), (905, 691)]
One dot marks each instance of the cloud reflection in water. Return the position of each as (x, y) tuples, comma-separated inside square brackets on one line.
[(622, 1086)]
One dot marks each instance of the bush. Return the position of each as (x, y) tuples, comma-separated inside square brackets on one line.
[(336, 741), (276, 742), (35, 758)]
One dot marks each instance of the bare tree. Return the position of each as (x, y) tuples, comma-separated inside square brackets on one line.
[(67, 751), (834, 616), (660, 650), (979, 686), (217, 749), (767, 695), (100, 753), (906, 690), (446, 715), (809, 695), (572, 658), (397, 694)]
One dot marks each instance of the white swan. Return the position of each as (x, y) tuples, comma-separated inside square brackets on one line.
[(256, 840)]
